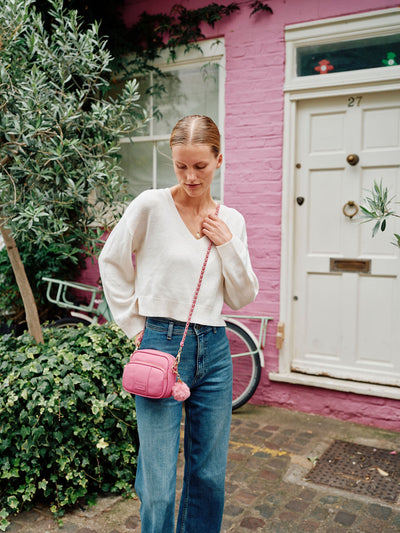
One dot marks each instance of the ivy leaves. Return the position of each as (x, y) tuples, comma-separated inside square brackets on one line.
[(67, 429)]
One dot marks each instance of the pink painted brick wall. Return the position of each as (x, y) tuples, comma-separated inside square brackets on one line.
[(255, 55)]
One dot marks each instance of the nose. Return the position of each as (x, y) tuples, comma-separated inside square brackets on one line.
[(190, 176)]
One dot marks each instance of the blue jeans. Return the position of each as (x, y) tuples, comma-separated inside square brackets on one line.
[(206, 367)]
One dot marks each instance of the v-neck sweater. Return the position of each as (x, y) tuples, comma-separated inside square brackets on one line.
[(162, 278)]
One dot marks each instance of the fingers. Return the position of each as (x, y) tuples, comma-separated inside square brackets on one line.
[(216, 230)]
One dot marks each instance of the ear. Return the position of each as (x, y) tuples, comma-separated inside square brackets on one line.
[(220, 159)]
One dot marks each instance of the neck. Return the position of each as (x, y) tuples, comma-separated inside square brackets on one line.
[(196, 204)]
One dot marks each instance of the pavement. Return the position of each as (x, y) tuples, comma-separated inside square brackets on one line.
[(272, 451)]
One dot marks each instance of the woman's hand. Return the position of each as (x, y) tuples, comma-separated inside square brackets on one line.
[(216, 230), (138, 339)]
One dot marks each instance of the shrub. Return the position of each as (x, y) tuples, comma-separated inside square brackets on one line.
[(67, 428)]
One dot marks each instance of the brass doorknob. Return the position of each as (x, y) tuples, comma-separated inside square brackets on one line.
[(352, 159)]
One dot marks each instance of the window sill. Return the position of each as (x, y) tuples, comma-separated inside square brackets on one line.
[(367, 389)]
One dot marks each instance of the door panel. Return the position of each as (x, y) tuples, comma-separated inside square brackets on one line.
[(346, 322)]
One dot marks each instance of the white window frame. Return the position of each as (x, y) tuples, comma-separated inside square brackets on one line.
[(339, 29), (208, 51)]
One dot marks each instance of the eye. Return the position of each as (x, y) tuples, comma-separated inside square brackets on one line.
[(201, 167), (181, 167)]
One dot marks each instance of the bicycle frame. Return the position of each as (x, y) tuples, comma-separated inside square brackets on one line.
[(260, 341), (60, 296)]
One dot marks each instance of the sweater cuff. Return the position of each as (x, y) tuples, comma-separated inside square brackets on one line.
[(229, 250)]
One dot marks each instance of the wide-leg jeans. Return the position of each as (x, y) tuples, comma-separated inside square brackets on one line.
[(206, 367)]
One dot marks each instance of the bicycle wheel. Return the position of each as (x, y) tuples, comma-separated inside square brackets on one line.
[(246, 364), (70, 322)]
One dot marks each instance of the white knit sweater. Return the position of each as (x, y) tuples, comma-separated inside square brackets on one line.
[(168, 261)]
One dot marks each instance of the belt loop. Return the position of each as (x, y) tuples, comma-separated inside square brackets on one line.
[(170, 330), (214, 330)]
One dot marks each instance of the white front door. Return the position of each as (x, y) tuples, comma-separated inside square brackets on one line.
[(346, 298)]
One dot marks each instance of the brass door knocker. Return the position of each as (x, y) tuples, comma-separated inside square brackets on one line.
[(350, 209)]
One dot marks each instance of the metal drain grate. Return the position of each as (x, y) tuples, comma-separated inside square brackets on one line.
[(359, 469)]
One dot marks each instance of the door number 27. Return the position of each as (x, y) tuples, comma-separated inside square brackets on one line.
[(354, 101)]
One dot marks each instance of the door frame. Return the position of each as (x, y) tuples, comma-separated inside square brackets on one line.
[(374, 23)]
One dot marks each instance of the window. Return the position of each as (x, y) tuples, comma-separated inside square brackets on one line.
[(193, 84), (362, 48), (351, 55)]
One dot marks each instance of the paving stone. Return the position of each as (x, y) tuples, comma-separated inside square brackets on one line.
[(288, 517), (288, 432), (307, 494), (353, 506), (264, 434), (262, 454), (344, 518), (297, 505), (308, 525), (232, 509), (252, 523), (279, 462), (245, 497), (234, 456), (265, 510), (230, 487), (372, 525), (132, 522), (379, 511), (271, 475), (319, 513), (306, 435), (329, 499)]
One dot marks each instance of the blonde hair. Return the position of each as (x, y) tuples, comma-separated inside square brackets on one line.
[(197, 129)]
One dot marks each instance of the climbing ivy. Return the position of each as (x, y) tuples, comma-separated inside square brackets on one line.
[(152, 33)]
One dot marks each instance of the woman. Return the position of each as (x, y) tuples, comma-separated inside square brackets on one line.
[(168, 231)]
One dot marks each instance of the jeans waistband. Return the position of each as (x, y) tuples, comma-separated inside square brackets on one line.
[(178, 327)]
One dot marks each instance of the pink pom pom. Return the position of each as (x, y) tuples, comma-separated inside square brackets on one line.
[(180, 391)]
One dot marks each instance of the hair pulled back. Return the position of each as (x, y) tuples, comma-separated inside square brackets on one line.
[(196, 129)]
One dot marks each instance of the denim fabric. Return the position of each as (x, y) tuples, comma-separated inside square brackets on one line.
[(206, 367)]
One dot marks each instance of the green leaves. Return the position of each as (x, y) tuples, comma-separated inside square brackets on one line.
[(59, 141), (378, 209), (67, 428)]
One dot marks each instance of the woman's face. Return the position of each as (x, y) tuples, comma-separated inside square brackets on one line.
[(194, 166)]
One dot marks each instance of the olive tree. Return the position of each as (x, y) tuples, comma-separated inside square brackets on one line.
[(378, 209), (59, 145)]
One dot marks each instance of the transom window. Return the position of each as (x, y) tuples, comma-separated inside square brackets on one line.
[(341, 51), (350, 55), (193, 84)]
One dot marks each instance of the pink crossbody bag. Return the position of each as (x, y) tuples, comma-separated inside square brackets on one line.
[(154, 374)]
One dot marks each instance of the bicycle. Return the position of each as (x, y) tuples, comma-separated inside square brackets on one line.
[(246, 348)]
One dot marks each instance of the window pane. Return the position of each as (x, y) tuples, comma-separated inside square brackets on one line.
[(137, 166), (165, 170), (351, 55), (216, 185), (187, 92), (144, 101)]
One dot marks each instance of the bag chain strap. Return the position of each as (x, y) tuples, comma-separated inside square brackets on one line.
[(203, 268)]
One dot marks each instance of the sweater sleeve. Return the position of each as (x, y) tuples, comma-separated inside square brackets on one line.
[(117, 269), (240, 282)]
